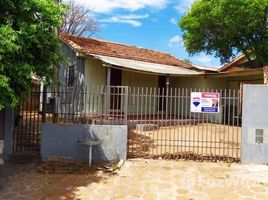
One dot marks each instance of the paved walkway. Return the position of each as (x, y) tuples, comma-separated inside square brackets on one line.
[(140, 179)]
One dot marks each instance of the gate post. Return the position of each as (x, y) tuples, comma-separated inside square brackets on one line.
[(265, 75), (44, 104), (8, 133), (255, 125)]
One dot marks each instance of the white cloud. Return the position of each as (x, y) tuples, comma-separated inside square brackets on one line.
[(175, 41), (204, 59), (132, 16), (173, 21), (106, 6), (126, 19), (184, 5)]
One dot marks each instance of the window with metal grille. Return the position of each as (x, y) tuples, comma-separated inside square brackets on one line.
[(71, 76)]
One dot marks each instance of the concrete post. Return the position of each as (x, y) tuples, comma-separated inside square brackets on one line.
[(9, 128), (265, 75)]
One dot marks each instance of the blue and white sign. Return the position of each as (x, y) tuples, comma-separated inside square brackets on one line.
[(205, 102)]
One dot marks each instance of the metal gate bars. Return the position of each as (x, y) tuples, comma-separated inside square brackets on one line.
[(161, 125), (160, 121), (26, 136)]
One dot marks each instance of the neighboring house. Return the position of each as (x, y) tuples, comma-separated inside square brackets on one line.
[(244, 72)]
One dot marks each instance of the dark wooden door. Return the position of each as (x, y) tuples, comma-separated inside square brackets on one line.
[(116, 80), (2, 123)]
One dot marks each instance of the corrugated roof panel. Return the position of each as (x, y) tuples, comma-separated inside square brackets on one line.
[(146, 66)]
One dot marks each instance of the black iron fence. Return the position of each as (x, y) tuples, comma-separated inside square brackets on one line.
[(160, 121)]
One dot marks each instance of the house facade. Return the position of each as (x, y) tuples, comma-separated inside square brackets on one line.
[(95, 63)]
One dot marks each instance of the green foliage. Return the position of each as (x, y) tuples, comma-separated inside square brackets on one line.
[(28, 45), (226, 28)]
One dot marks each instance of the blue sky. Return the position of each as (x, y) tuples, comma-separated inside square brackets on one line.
[(150, 24)]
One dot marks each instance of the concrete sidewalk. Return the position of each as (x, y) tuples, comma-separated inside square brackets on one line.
[(158, 179), (140, 179)]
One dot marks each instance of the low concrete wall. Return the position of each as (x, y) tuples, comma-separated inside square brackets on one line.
[(255, 124), (61, 141)]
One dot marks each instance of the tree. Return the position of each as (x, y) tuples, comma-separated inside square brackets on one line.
[(28, 45), (227, 28), (78, 21)]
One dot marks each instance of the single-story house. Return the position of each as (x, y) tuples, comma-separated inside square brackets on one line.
[(98, 62), (93, 62)]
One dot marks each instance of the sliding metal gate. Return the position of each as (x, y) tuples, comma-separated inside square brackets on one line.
[(162, 126)]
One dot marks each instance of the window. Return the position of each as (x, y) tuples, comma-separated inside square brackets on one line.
[(71, 71)]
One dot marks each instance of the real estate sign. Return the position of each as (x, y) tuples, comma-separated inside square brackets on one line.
[(205, 102)]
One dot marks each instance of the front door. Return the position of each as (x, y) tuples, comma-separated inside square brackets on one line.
[(116, 80)]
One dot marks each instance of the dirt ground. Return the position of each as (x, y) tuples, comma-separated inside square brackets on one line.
[(139, 179), (201, 139)]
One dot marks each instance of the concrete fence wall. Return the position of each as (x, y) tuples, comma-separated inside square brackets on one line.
[(255, 124), (62, 141)]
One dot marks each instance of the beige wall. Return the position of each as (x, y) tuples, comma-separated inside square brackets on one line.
[(139, 102), (201, 82), (234, 82), (95, 77), (134, 79), (95, 73)]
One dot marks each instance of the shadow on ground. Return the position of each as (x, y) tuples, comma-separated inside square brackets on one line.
[(27, 181), (139, 145)]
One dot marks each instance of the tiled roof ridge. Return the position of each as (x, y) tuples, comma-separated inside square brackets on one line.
[(134, 46), (166, 56)]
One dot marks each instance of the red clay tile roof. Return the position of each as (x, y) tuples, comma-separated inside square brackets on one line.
[(92, 46)]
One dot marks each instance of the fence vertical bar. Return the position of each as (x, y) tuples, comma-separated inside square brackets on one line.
[(126, 105)]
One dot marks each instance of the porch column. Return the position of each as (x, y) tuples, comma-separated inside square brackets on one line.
[(167, 93), (108, 90), (167, 81), (265, 75), (108, 79)]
